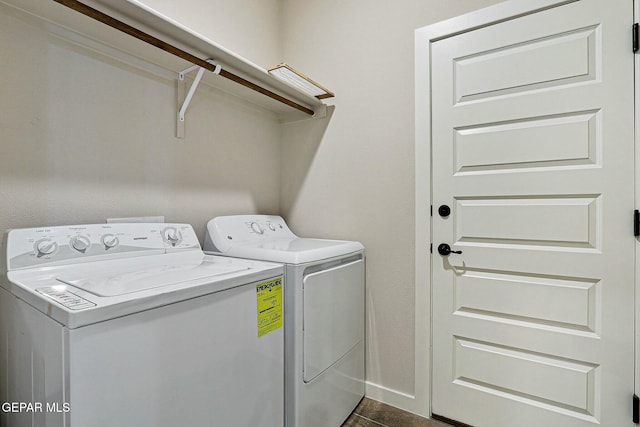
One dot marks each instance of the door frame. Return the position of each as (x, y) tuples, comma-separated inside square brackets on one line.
[(421, 403), (636, 72)]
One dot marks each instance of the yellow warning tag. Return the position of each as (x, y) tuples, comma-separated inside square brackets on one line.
[(269, 299)]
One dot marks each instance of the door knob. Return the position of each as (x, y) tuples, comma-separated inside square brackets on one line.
[(444, 250), (444, 211)]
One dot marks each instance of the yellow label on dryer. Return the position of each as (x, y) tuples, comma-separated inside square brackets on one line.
[(269, 299)]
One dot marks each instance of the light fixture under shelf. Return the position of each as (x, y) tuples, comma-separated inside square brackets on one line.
[(298, 80)]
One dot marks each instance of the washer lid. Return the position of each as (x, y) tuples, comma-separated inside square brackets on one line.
[(106, 283), (82, 294), (83, 274), (295, 250)]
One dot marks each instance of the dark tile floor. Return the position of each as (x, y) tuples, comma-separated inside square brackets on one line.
[(370, 413)]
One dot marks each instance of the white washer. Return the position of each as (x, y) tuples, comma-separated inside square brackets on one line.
[(324, 306), (133, 325)]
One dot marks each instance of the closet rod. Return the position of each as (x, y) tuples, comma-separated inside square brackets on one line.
[(140, 35)]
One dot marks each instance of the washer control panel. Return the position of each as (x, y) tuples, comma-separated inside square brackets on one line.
[(225, 231), (30, 247)]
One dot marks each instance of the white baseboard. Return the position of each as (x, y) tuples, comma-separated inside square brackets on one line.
[(398, 399)]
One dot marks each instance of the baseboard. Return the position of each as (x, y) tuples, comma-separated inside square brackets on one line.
[(398, 399)]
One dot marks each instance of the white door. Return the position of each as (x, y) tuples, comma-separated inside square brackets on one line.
[(532, 150)]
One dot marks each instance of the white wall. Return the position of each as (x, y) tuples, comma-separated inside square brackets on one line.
[(85, 137), (249, 28), (352, 176)]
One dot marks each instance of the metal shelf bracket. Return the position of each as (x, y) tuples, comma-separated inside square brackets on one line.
[(192, 89)]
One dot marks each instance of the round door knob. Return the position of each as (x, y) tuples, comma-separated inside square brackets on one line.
[(444, 250), (444, 211)]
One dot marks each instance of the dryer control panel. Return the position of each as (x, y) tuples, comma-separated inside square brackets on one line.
[(32, 247), (223, 232)]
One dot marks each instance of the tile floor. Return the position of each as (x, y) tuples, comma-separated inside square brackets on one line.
[(370, 413)]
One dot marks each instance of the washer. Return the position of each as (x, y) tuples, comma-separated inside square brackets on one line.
[(133, 325), (324, 306)]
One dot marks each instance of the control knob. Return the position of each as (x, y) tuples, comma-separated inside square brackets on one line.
[(45, 247), (109, 241), (172, 236), (80, 243), (257, 228)]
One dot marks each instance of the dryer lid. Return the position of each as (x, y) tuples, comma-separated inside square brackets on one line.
[(295, 251), (268, 238)]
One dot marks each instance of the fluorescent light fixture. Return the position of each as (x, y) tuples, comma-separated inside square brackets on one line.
[(301, 82)]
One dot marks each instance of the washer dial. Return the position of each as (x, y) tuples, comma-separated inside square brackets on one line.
[(109, 241), (80, 243), (172, 236), (45, 247)]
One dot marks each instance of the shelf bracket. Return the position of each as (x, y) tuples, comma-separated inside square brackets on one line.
[(180, 53), (192, 89)]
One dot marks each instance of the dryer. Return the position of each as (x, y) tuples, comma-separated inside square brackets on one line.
[(324, 306), (133, 325)]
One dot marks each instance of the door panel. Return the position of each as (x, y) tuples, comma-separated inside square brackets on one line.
[(532, 147), (527, 65), (507, 147)]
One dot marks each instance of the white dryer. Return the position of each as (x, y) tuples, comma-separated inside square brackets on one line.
[(324, 306), (133, 325)]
